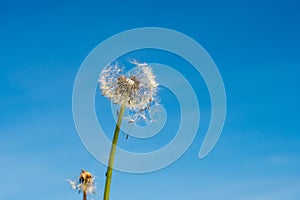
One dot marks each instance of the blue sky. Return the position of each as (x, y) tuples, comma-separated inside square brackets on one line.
[(255, 46)]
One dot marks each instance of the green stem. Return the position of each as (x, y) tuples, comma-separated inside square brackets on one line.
[(112, 154)]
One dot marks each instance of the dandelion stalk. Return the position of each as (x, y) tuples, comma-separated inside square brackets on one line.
[(112, 154), (84, 195)]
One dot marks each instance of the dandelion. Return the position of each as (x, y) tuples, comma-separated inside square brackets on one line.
[(136, 92), (84, 183)]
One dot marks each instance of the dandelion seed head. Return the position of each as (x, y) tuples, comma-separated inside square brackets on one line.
[(136, 91), (84, 183)]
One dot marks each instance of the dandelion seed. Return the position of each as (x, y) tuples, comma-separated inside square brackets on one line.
[(73, 184)]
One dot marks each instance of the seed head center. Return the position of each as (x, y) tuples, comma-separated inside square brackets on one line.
[(130, 81)]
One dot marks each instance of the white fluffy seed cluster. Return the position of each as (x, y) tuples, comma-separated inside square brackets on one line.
[(135, 91)]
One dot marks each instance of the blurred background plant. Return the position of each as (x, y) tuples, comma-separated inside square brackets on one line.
[(84, 183)]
